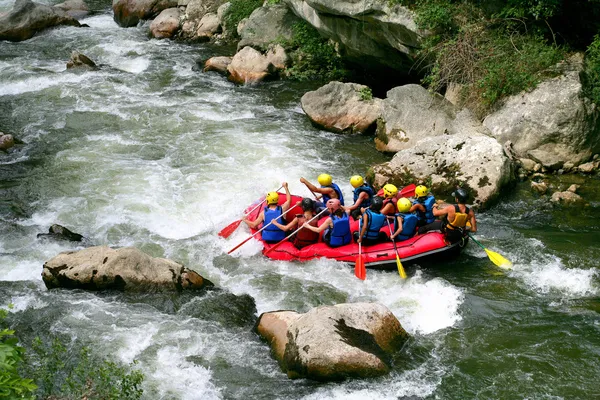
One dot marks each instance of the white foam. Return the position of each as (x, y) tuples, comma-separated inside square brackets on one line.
[(552, 276), (36, 84)]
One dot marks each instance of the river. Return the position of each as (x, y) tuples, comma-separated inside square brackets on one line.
[(149, 152)]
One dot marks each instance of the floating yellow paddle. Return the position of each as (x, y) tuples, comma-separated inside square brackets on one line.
[(495, 257)]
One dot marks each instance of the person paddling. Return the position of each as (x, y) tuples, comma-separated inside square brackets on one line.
[(272, 234), (372, 222), (423, 206), (456, 217), (405, 222), (328, 189), (336, 226), (389, 203), (303, 237), (363, 193)]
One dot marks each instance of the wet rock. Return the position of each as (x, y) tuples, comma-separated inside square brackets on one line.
[(566, 197), (6, 141), (338, 107), (59, 232), (249, 66), (331, 343), (79, 60), (222, 307), (125, 269), (539, 187), (166, 25), (218, 64), (75, 8), (477, 163), (28, 18), (267, 25), (128, 13)]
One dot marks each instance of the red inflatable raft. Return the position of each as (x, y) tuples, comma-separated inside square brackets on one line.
[(431, 245)]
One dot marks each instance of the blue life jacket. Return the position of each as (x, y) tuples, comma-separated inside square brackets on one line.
[(368, 190), (409, 226), (376, 221), (340, 234), (427, 202), (337, 190), (271, 232)]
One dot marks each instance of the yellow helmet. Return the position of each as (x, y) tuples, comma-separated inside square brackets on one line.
[(421, 191), (404, 205), (356, 181), (324, 179), (272, 198), (389, 191)]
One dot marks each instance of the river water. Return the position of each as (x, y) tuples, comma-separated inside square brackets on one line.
[(151, 153)]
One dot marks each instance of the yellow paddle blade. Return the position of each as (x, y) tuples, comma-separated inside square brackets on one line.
[(498, 259), (400, 268)]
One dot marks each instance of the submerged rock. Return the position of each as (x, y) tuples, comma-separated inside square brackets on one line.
[(79, 60), (331, 343), (567, 197), (340, 107), (126, 269), (6, 141), (28, 18), (59, 232)]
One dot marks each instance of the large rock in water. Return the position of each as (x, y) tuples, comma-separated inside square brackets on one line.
[(411, 113), (477, 163), (127, 269), (28, 18), (333, 342), (371, 33), (249, 66), (338, 107), (128, 13), (166, 25), (553, 124)]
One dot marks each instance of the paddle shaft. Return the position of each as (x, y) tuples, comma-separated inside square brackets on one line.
[(398, 262), (475, 240), (291, 234), (259, 231)]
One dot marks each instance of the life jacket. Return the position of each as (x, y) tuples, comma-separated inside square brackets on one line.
[(337, 190), (388, 201), (428, 202), (376, 221), (368, 190), (340, 234), (304, 237), (272, 233), (409, 225), (460, 219)]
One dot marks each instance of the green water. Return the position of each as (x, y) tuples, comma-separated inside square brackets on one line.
[(151, 153)]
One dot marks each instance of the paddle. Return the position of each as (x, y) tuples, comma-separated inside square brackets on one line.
[(260, 230), (400, 267), (494, 257), (290, 235), (408, 191), (229, 229), (359, 266)]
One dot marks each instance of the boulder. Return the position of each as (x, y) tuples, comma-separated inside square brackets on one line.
[(342, 107), (474, 162), (209, 25), (126, 269), (79, 60), (567, 198), (267, 25), (588, 167), (552, 124), (128, 13), (218, 64), (249, 66), (539, 187), (28, 18), (75, 8), (59, 232), (331, 343), (373, 34), (277, 56), (166, 25), (196, 9), (6, 141), (411, 113)]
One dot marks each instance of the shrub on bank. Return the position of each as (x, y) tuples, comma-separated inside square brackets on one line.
[(238, 10), (592, 70)]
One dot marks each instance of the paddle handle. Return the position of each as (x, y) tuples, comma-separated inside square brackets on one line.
[(291, 234), (260, 204), (260, 230)]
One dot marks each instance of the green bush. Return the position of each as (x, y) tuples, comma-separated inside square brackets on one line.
[(365, 94), (592, 70), (238, 10)]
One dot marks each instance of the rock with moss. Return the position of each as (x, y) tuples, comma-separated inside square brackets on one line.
[(375, 34), (128, 13), (28, 18), (552, 124), (331, 343), (477, 163), (267, 25), (166, 24), (342, 107), (411, 113), (125, 269)]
